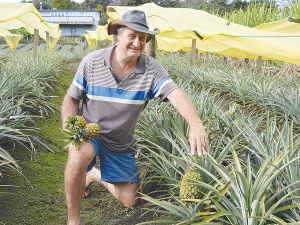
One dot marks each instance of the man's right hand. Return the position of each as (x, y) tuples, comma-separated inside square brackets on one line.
[(70, 107)]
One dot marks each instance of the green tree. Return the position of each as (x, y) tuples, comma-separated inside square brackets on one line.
[(100, 7), (92, 4), (46, 5), (103, 19), (163, 3), (63, 4)]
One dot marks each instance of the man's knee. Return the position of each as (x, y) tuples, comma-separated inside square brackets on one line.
[(129, 197), (82, 157), (130, 202)]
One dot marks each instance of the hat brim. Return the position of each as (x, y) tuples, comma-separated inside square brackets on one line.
[(115, 23)]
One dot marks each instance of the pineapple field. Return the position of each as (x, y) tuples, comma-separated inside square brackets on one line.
[(251, 174)]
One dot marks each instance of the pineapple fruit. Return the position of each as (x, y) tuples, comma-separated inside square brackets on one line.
[(75, 122), (79, 131), (93, 129), (188, 189)]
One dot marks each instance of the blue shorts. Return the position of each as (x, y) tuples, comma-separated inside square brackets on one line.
[(114, 167)]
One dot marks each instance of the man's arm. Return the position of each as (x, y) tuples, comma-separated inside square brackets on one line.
[(197, 134), (70, 107)]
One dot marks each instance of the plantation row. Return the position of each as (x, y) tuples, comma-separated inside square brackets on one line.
[(26, 90), (251, 174), (68, 51), (278, 95)]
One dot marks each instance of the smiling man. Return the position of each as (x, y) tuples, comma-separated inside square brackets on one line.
[(115, 85)]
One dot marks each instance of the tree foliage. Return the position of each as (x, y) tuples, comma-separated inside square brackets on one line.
[(100, 7), (163, 3), (63, 4), (92, 4), (46, 5)]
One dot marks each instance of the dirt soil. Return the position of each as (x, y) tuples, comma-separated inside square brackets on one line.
[(40, 198)]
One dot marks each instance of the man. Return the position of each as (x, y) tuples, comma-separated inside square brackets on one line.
[(114, 85)]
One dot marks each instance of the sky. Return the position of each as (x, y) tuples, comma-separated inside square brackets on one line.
[(79, 1)]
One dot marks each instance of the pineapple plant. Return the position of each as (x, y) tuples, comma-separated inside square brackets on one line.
[(233, 109), (188, 187), (79, 130)]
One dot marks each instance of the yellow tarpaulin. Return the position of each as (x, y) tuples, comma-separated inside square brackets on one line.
[(11, 39), (283, 26), (54, 33), (17, 15), (219, 35), (90, 41), (100, 34)]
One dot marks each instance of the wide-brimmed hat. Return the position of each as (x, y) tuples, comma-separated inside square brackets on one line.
[(134, 19)]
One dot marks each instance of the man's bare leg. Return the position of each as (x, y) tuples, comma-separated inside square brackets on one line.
[(122, 191), (75, 176)]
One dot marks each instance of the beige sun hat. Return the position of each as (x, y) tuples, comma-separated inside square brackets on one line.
[(134, 19)]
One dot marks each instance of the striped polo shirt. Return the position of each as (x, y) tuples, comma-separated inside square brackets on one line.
[(117, 105)]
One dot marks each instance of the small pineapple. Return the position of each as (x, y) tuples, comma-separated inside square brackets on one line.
[(93, 129), (188, 189), (79, 131), (81, 121), (75, 122)]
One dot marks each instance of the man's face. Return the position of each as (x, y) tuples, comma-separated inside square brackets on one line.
[(132, 43)]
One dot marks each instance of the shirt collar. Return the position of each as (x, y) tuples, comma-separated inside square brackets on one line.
[(140, 66)]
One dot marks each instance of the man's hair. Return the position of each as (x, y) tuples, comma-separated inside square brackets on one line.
[(120, 29)]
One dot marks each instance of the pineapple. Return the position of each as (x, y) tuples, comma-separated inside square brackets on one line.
[(93, 129), (81, 121), (188, 189), (75, 122), (79, 131)]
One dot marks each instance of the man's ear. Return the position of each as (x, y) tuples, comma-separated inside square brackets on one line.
[(119, 36)]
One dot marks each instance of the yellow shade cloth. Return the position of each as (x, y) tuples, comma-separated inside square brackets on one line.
[(219, 35), (282, 26), (90, 41), (11, 39), (100, 34), (54, 33), (17, 15)]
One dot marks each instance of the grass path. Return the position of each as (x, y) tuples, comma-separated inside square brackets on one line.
[(45, 202)]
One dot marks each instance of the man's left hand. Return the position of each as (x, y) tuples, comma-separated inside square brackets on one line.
[(197, 136), (198, 139)]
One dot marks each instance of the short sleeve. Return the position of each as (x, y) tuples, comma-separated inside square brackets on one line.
[(78, 87), (163, 85)]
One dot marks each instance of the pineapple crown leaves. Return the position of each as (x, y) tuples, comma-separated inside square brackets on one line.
[(75, 137), (75, 122), (195, 159), (233, 109)]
